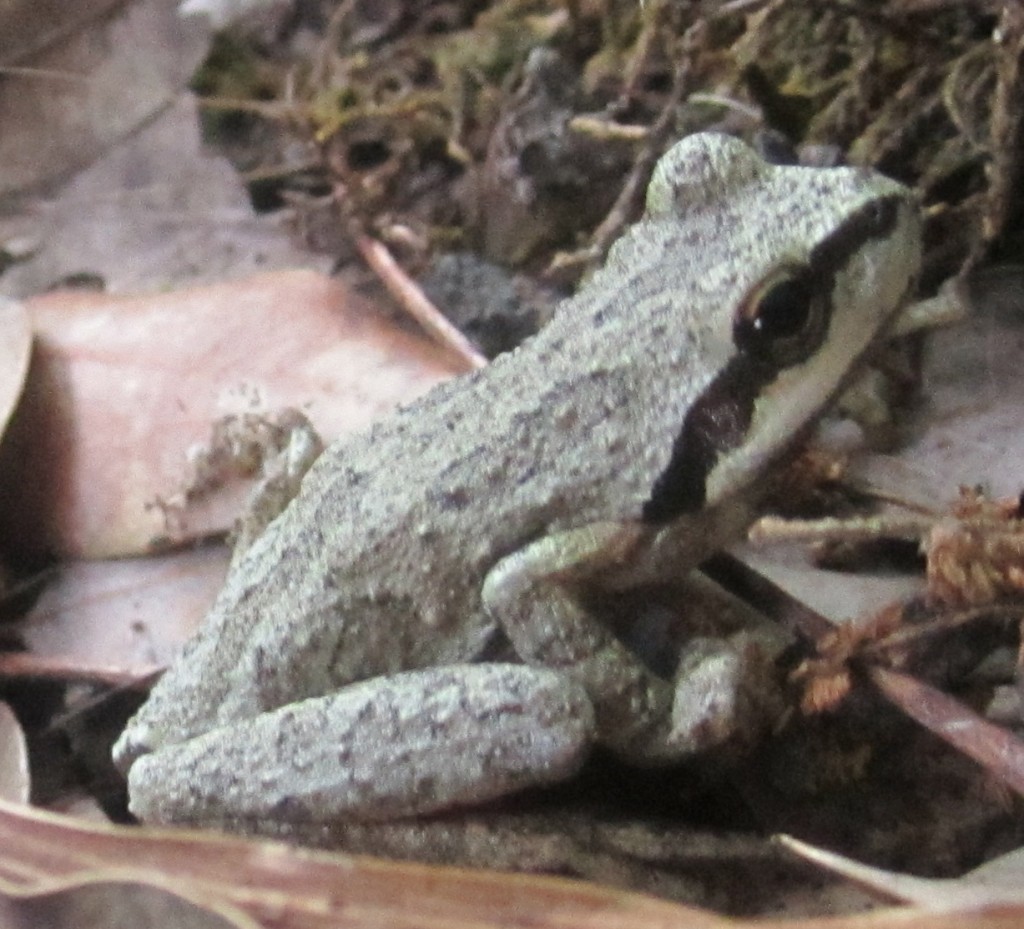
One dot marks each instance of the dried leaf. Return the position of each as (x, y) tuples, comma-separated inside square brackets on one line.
[(274, 885), (69, 100), (999, 882), (113, 902), (15, 350), (14, 776), (121, 388), (118, 620), (157, 212), (286, 887)]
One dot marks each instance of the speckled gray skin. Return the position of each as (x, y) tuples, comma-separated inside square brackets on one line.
[(362, 778), (379, 564)]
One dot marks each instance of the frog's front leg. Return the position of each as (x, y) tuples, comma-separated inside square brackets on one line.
[(396, 746), (535, 594)]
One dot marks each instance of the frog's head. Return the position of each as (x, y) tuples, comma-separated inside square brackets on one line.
[(812, 267)]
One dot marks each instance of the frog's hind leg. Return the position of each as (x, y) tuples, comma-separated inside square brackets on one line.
[(390, 747)]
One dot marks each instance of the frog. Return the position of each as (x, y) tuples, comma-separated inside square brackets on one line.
[(347, 669)]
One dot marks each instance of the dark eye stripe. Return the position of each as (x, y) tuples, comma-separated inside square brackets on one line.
[(719, 421), (873, 221), (716, 423)]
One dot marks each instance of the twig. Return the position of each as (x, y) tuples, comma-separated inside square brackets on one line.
[(412, 299), (997, 750), (636, 183)]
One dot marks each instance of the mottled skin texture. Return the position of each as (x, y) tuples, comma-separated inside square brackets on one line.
[(379, 563)]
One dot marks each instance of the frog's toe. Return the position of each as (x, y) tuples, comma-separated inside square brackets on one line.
[(725, 693), (132, 744)]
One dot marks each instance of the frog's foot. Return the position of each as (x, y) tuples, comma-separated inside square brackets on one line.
[(397, 746), (725, 694)]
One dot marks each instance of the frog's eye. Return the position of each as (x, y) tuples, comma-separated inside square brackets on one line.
[(784, 319)]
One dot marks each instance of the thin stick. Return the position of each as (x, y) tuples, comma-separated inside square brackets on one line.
[(412, 299)]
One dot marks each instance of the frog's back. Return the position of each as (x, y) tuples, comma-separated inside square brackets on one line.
[(377, 565)]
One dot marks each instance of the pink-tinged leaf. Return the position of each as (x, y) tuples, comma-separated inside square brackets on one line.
[(117, 620), (121, 387)]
